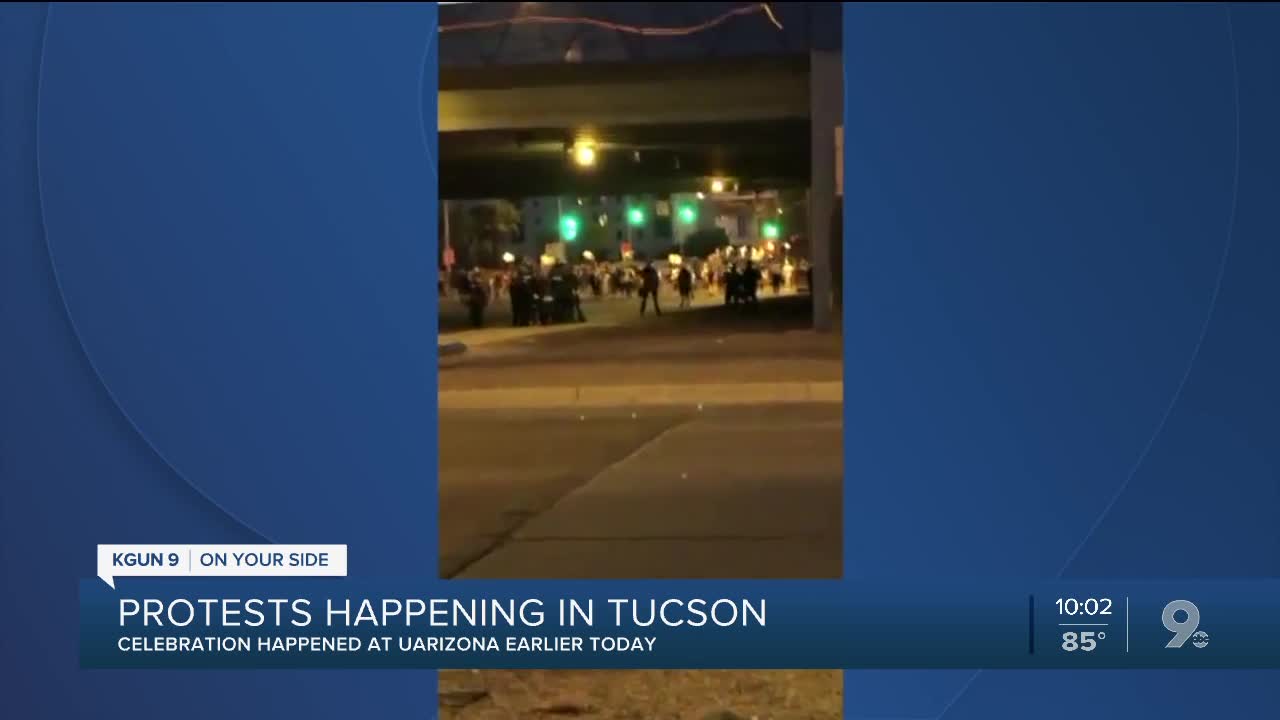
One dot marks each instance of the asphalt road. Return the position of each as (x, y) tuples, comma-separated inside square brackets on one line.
[(750, 492), (607, 310)]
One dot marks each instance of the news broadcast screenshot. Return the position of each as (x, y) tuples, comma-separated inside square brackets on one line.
[(640, 361)]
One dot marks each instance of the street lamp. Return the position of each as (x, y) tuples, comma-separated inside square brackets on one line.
[(508, 258), (717, 185), (584, 154)]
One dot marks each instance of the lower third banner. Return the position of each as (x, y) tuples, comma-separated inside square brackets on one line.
[(343, 623)]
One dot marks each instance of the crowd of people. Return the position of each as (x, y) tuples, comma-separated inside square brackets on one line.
[(553, 295)]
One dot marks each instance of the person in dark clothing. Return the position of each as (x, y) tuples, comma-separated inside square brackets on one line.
[(521, 294), (546, 301), (750, 284), (732, 285), (575, 298), (775, 279), (537, 291), (649, 283), (561, 294), (477, 299), (684, 283)]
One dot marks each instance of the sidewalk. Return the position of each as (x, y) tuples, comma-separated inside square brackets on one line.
[(755, 492), (601, 369)]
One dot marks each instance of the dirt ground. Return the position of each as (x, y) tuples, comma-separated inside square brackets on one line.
[(641, 694)]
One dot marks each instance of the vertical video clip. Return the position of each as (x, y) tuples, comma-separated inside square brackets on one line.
[(640, 346)]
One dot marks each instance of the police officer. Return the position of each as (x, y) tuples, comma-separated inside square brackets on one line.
[(542, 300), (521, 295), (732, 285), (561, 292), (750, 284), (477, 298)]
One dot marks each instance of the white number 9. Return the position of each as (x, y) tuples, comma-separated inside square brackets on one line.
[(1182, 630)]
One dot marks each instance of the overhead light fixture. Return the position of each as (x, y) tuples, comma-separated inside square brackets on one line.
[(717, 186), (584, 153)]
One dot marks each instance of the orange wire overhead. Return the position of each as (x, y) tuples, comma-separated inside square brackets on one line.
[(619, 27)]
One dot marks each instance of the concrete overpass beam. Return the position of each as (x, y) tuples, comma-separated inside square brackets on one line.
[(701, 98)]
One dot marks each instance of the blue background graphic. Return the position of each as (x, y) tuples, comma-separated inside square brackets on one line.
[(1061, 319), (217, 306)]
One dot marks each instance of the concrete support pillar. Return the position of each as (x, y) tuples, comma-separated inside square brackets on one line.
[(826, 111)]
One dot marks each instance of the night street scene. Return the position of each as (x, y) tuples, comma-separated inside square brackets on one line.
[(640, 342)]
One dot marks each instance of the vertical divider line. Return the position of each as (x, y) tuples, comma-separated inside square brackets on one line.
[(1031, 624), (1126, 624)]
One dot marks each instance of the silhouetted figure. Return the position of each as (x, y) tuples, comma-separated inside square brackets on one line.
[(575, 297), (684, 283), (750, 284), (543, 306), (477, 299), (649, 284), (521, 294), (732, 285), (561, 293)]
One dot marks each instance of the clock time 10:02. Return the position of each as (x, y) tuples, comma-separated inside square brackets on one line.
[(1090, 607)]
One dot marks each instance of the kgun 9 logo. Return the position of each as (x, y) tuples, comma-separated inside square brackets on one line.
[(1186, 627)]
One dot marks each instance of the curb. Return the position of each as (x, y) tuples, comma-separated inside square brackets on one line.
[(598, 396), (451, 349)]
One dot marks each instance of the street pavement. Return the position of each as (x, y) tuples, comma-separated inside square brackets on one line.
[(642, 694), (455, 322), (747, 492), (708, 345)]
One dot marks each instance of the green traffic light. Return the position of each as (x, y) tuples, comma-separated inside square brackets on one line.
[(771, 230), (569, 227), (635, 216), (688, 214)]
